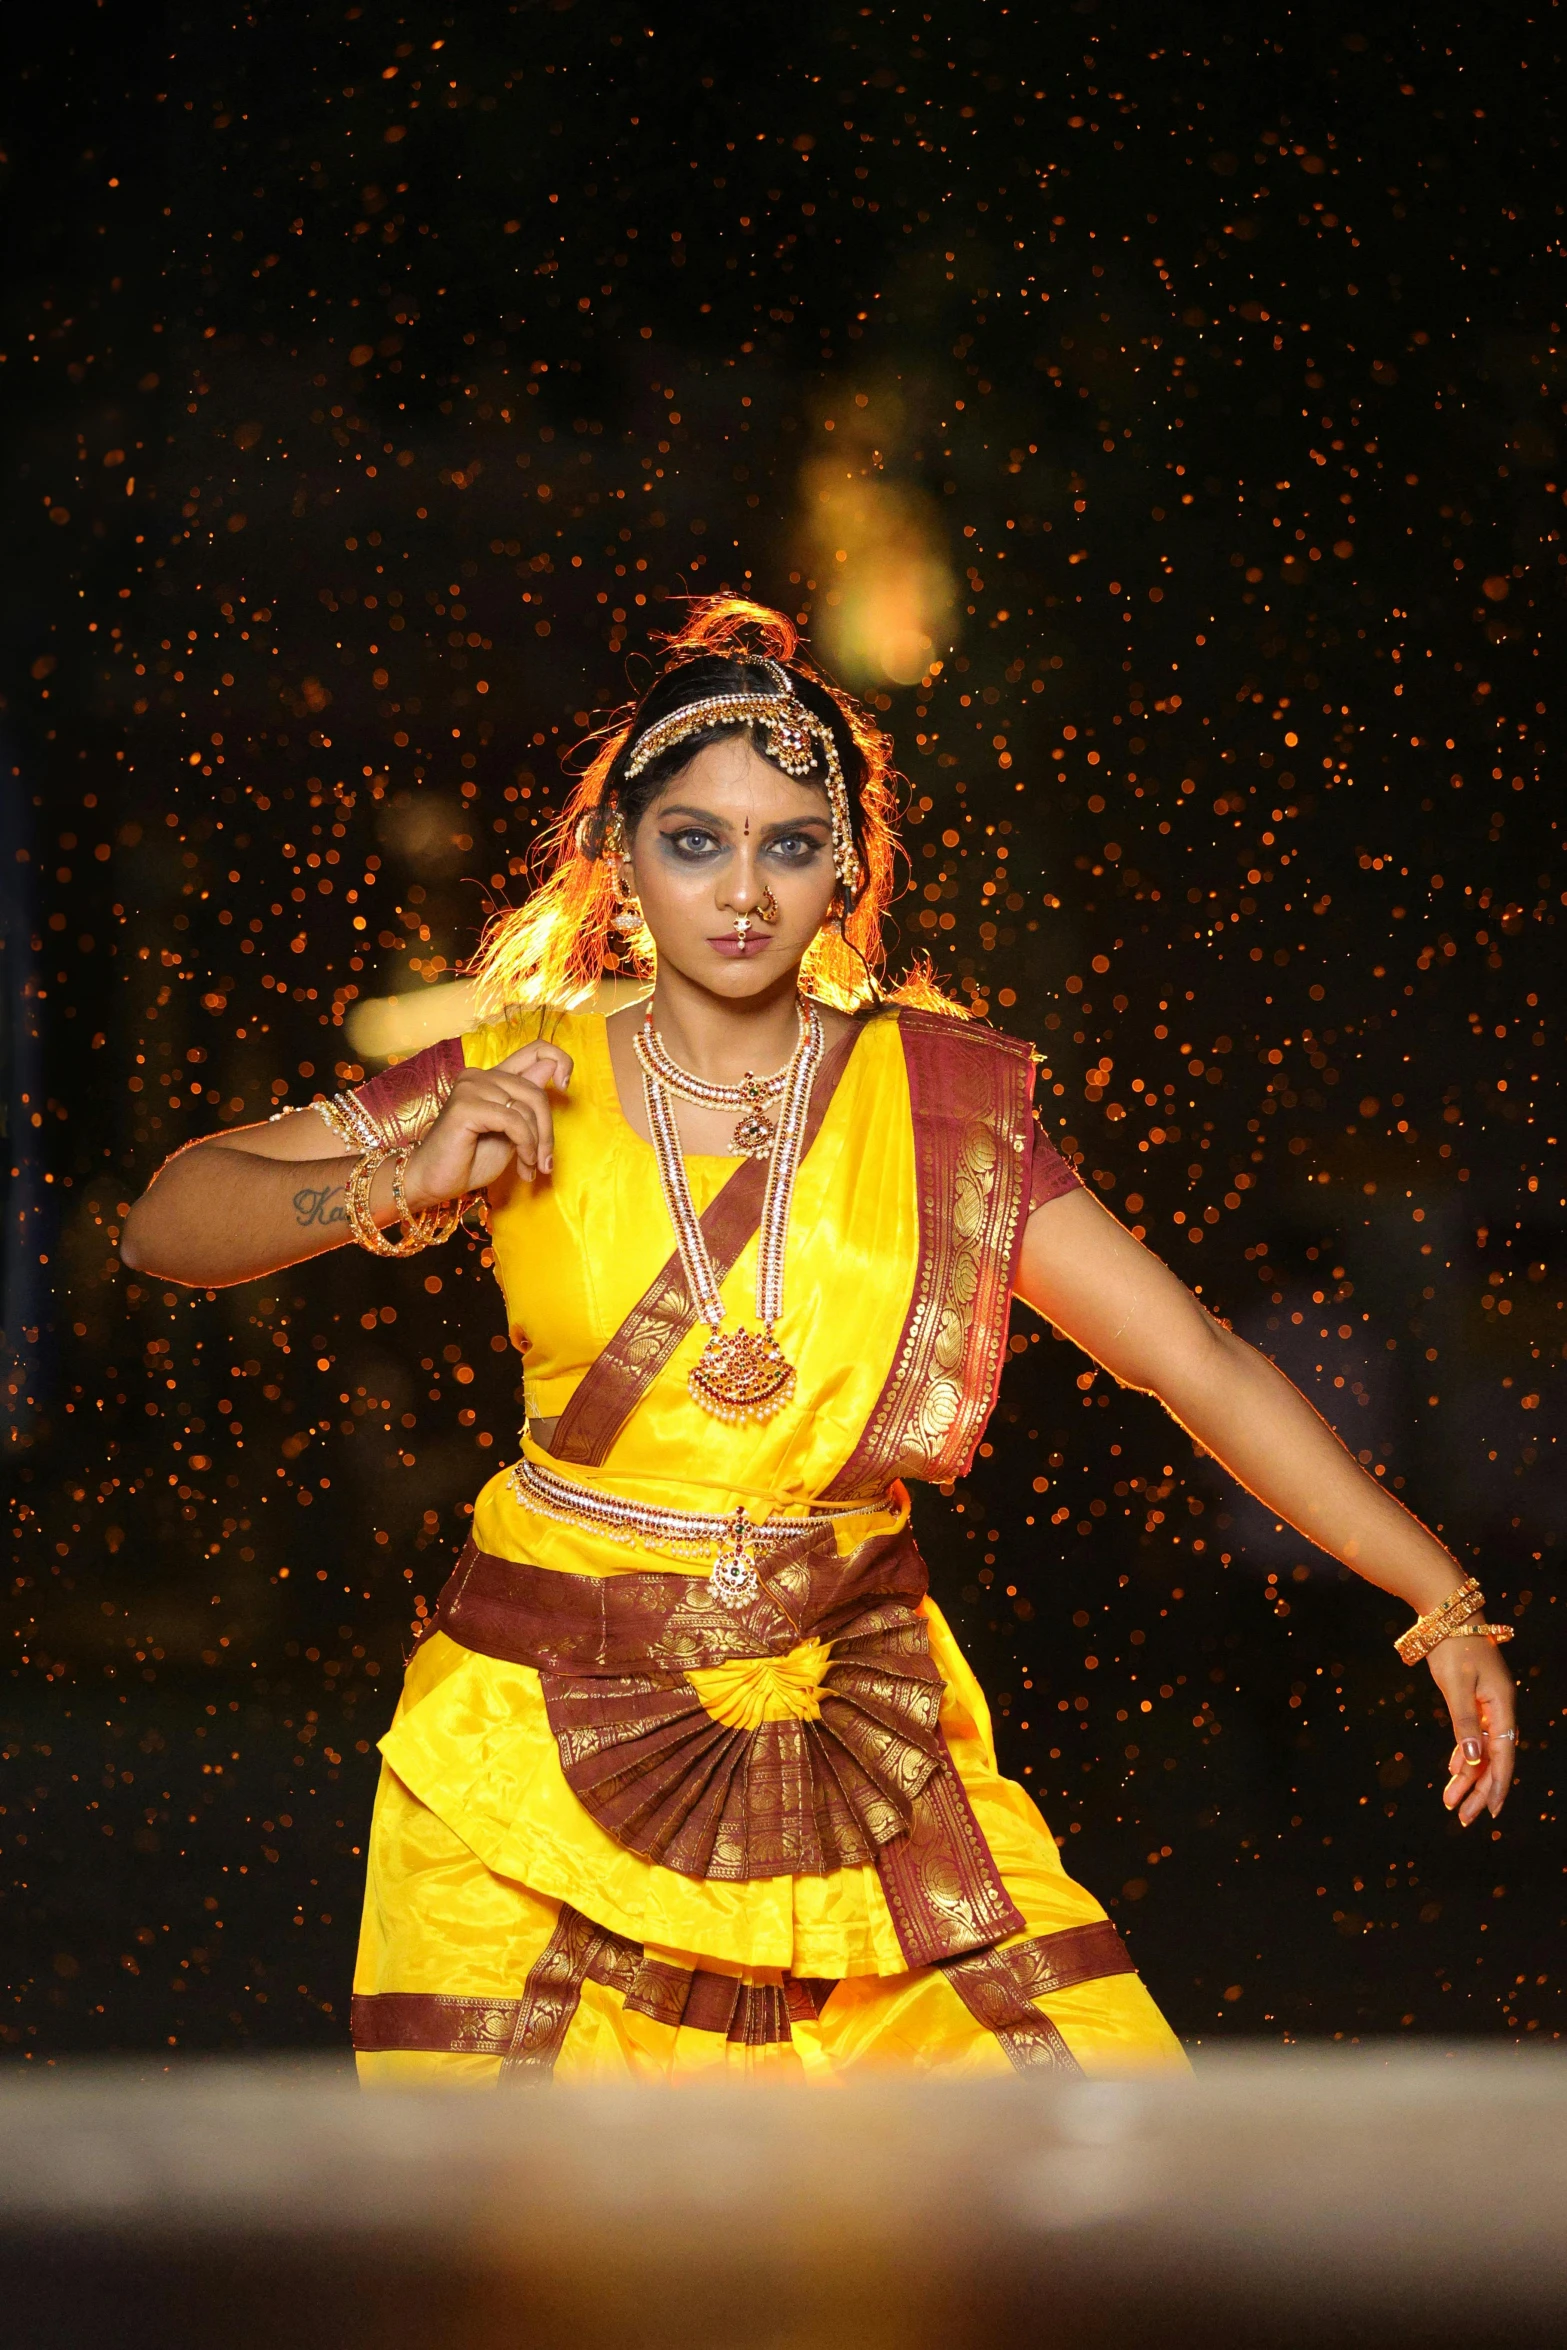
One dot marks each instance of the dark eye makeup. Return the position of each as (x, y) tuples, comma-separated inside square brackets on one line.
[(694, 844), (690, 841), (795, 848)]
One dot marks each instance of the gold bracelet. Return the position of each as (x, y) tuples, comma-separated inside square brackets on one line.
[(419, 1230), (1439, 1623), (1478, 1629)]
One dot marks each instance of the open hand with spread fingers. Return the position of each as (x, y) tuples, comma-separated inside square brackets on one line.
[(1478, 1690), (493, 1120)]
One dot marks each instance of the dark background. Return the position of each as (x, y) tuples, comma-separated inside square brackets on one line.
[(373, 378)]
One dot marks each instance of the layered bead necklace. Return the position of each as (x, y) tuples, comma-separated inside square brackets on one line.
[(754, 1133), (742, 1374)]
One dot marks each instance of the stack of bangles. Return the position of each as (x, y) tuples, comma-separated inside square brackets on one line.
[(425, 1229), (1460, 1618)]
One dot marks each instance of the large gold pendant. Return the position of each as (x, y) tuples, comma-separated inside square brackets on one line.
[(742, 1375), (734, 1563)]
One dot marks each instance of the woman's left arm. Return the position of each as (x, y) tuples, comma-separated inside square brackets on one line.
[(1083, 1271)]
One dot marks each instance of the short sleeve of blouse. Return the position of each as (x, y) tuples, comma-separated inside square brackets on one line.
[(400, 1106), (1049, 1175)]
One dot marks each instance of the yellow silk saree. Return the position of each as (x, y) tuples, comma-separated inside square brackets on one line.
[(628, 1827)]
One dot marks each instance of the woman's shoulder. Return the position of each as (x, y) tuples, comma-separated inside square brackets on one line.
[(955, 1032)]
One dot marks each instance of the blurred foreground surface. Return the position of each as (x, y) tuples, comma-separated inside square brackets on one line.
[(1271, 2199)]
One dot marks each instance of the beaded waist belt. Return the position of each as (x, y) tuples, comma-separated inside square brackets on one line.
[(735, 1542)]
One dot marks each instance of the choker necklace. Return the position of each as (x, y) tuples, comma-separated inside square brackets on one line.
[(753, 1136), (742, 1374)]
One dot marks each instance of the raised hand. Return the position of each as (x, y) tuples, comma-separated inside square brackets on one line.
[(1478, 1691), (493, 1119)]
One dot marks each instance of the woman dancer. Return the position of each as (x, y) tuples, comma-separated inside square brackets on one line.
[(688, 1772)]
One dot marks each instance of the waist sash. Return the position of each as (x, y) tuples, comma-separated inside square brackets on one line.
[(867, 1779)]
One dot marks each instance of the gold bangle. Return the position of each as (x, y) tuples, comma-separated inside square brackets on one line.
[(1478, 1629), (1439, 1623), (356, 1194), (429, 1226), (421, 1228), (357, 1201)]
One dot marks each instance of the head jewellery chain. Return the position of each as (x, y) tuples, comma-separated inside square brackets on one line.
[(792, 737)]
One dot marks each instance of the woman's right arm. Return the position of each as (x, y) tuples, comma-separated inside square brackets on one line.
[(238, 1206)]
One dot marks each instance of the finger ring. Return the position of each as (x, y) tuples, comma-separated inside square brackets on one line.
[(1510, 1735)]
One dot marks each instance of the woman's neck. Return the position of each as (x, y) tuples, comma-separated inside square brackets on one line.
[(719, 1038)]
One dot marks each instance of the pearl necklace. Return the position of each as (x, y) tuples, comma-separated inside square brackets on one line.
[(753, 1136), (742, 1374)]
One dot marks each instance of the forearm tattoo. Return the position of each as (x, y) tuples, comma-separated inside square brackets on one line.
[(324, 1206)]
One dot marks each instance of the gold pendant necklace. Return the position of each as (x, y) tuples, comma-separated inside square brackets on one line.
[(753, 1135), (742, 1374)]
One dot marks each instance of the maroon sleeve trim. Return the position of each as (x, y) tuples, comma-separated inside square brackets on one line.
[(1050, 1176)]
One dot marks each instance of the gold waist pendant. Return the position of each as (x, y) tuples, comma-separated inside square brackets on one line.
[(735, 1543)]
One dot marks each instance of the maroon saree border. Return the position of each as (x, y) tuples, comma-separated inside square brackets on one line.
[(665, 1622), (998, 1987), (940, 1879), (990, 1989), (970, 1093), (613, 1385), (1072, 1955), (551, 1996), (527, 2034), (1049, 1175)]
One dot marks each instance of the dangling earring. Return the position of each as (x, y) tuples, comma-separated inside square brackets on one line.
[(613, 846), (627, 916)]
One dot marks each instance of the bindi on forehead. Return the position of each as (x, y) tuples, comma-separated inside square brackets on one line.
[(666, 810), (733, 772)]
